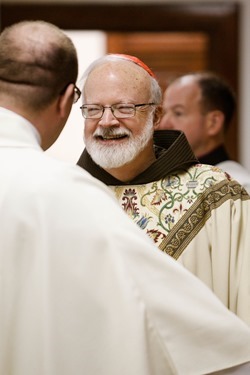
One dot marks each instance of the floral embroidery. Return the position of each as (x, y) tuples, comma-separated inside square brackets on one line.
[(155, 235), (143, 221), (130, 205)]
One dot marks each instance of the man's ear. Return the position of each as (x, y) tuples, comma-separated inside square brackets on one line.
[(215, 122), (157, 116), (66, 100)]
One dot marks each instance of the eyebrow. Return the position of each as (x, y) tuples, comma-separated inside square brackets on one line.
[(176, 106)]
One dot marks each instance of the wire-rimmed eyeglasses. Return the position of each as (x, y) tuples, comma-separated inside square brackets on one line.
[(77, 94), (120, 110)]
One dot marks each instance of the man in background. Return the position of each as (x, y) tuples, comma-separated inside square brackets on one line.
[(82, 289), (202, 105)]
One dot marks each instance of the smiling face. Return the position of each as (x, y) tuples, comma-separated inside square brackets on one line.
[(110, 141), (182, 110)]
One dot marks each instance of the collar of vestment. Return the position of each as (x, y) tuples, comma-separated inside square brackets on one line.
[(17, 131), (172, 151)]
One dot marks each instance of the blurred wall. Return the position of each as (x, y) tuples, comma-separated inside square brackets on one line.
[(89, 45)]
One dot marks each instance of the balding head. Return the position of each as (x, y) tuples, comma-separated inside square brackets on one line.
[(37, 62), (132, 73)]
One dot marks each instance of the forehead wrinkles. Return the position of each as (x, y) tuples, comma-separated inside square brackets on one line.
[(126, 75)]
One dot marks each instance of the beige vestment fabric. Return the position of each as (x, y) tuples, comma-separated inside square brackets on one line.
[(206, 229), (237, 171)]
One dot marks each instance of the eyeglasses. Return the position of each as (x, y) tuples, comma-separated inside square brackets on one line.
[(121, 110), (77, 94)]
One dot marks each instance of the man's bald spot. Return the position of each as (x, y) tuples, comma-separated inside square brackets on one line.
[(34, 39), (27, 53), (37, 61)]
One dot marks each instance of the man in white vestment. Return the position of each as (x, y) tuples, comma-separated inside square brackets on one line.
[(194, 212), (82, 289)]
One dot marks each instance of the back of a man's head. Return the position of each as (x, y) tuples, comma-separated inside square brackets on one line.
[(37, 62)]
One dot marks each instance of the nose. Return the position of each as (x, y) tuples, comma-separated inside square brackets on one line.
[(165, 122), (108, 118)]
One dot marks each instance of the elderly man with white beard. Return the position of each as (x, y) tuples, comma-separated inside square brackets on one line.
[(196, 213)]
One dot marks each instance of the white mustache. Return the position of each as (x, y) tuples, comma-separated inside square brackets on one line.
[(111, 131)]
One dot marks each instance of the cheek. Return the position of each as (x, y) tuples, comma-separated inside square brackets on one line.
[(138, 125), (179, 123), (173, 122), (194, 133), (185, 123)]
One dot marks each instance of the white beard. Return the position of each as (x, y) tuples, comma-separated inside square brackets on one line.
[(115, 156)]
